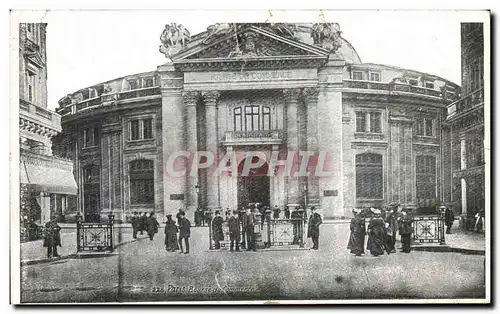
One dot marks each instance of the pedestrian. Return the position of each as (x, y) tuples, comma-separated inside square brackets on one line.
[(405, 230), (234, 231), (358, 231), (391, 224), (276, 212), (313, 227), (178, 217), (287, 212), (52, 238), (376, 234), (243, 218), (449, 218), (217, 232), (304, 213), (197, 221), (184, 231), (143, 222), (250, 225), (228, 214), (479, 225), (296, 217), (171, 229), (152, 225), (135, 225)]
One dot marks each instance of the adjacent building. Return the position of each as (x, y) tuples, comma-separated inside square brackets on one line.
[(46, 181), (465, 120), (272, 88)]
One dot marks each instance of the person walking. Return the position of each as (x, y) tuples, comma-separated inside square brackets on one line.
[(152, 226), (276, 212), (217, 232), (479, 224), (449, 218), (313, 227), (296, 217), (52, 238), (391, 228), (358, 231), (405, 230), (184, 231), (171, 244), (234, 231), (135, 221), (250, 225), (143, 222), (376, 234), (287, 212)]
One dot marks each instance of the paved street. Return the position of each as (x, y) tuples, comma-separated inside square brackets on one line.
[(144, 271)]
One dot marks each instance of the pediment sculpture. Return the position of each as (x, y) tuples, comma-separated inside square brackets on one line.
[(326, 35), (173, 38)]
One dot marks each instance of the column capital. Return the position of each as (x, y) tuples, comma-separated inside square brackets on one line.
[(292, 94), (310, 94), (210, 97), (190, 97)]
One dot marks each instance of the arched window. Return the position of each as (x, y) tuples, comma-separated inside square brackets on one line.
[(252, 118), (369, 176), (141, 182), (426, 180)]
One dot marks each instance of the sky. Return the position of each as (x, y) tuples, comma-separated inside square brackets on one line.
[(88, 47)]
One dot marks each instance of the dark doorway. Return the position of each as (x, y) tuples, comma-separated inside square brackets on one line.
[(253, 188)]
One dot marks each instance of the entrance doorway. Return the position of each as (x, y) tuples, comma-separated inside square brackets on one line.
[(254, 188)]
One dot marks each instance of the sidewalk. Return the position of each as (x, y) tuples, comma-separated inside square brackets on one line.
[(34, 252)]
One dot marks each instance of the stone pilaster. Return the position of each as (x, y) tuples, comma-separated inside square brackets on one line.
[(173, 137), (329, 106), (190, 102), (211, 98), (292, 130)]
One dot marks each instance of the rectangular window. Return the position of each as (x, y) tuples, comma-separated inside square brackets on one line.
[(30, 93), (148, 82), (429, 127), (237, 119), (134, 130), (357, 75), (375, 76), (360, 122), (375, 122), (266, 118), (31, 80), (91, 136), (419, 127), (147, 128)]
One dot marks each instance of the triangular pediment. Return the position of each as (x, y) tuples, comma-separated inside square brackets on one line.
[(250, 42)]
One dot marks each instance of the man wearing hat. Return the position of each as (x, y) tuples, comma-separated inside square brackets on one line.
[(135, 224), (449, 218), (313, 227), (234, 231), (184, 231), (217, 232), (405, 230)]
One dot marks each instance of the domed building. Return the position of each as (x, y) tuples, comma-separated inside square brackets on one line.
[(277, 89)]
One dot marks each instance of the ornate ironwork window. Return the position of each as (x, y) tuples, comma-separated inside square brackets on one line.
[(141, 182), (426, 180), (369, 176)]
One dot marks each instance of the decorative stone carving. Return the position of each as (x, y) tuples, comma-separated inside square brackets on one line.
[(326, 35), (292, 94), (173, 38), (190, 98), (216, 30), (211, 97), (310, 94)]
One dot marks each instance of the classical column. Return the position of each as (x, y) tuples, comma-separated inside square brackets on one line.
[(463, 154), (311, 101), (190, 100), (292, 131), (211, 98), (173, 142)]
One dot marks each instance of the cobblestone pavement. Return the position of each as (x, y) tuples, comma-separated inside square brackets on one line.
[(144, 271)]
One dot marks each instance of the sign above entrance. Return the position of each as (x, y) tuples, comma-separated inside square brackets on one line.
[(250, 79)]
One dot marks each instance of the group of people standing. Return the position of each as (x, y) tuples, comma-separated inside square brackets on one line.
[(381, 232), (176, 234), (144, 222)]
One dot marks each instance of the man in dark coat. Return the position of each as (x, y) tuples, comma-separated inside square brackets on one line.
[(297, 217), (250, 232), (405, 230), (243, 221), (234, 231), (392, 228), (152, 225), (179, 217), (313, 227), (143, 222), (171, 229), (184, 231), (217, 232), (52, 238), (276, 212), (287, 212), (449, 218), (358, 231), (135, 224)]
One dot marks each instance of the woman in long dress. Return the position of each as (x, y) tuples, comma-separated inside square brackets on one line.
[(376, 234), (171, 235), (358, 231)]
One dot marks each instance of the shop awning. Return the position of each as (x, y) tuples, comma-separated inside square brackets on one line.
[(48, 179)]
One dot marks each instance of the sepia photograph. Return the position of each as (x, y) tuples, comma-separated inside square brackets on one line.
[(190, 156)]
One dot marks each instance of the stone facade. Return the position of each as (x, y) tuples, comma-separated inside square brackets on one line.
[(273, 91)]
